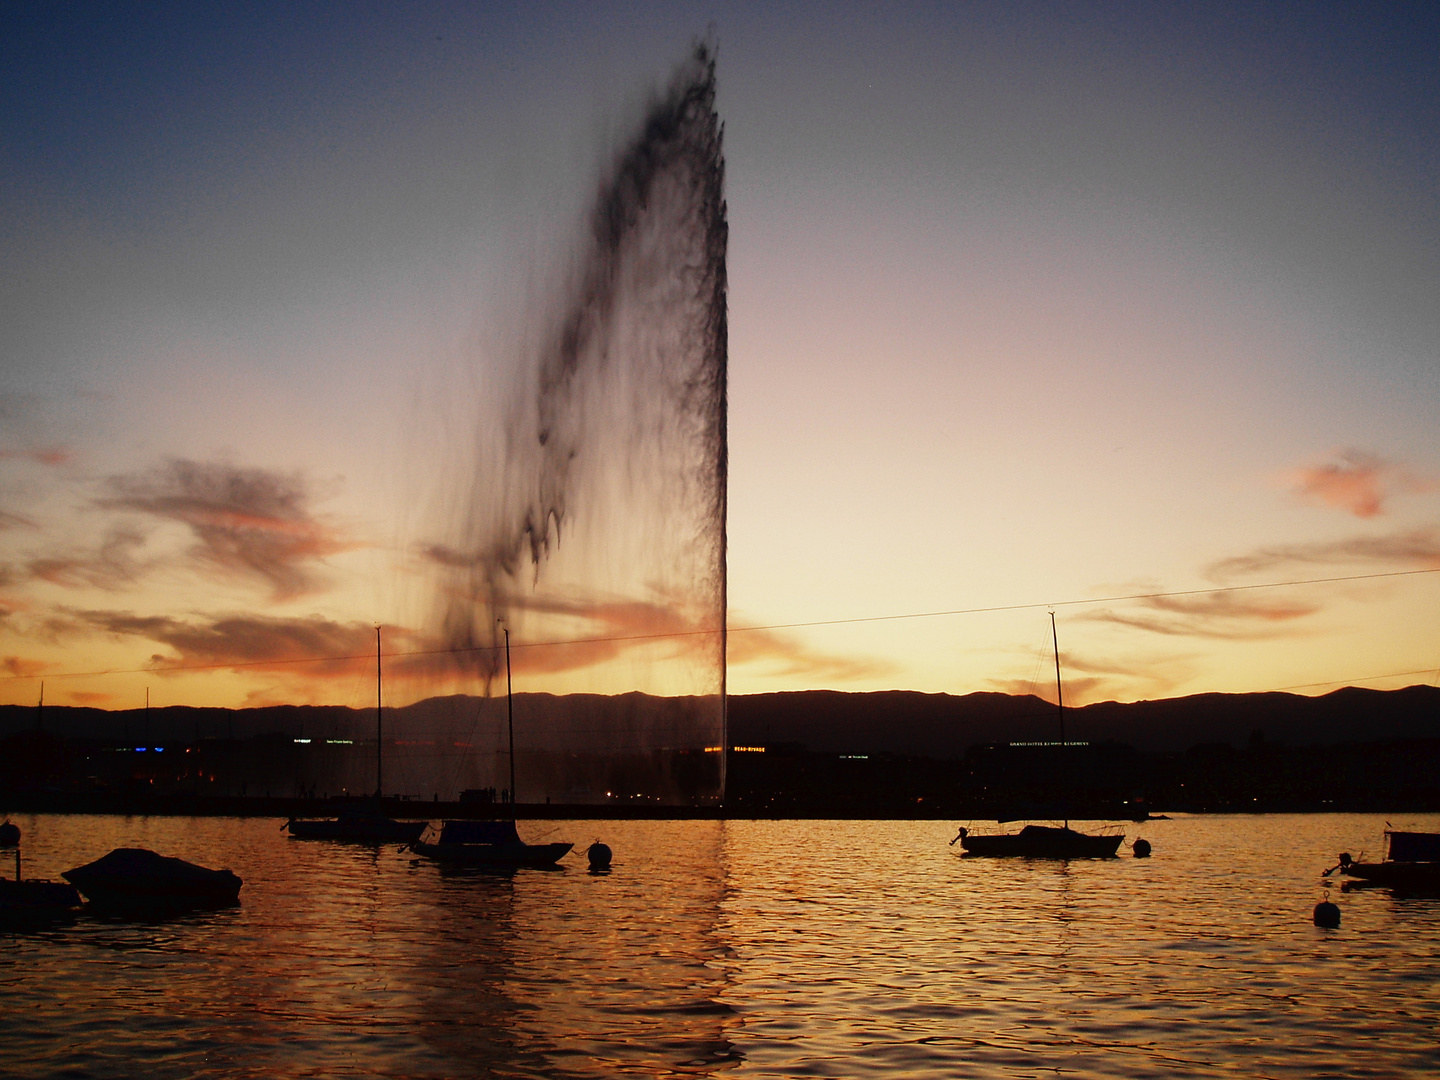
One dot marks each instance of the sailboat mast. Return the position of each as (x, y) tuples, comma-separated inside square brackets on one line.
[(510, 718), (379, 726), (1059, 700)]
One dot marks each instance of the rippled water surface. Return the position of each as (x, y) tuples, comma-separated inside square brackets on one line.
[(749, 948)]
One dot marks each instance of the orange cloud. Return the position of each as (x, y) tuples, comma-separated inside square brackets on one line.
[(1356, 481), (22, 668), (247, 521)]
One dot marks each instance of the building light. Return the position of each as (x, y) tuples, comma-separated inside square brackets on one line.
[(303, 742)]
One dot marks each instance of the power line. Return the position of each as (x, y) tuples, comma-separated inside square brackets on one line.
[(1354, 681), (1088, 600), (455, 651)]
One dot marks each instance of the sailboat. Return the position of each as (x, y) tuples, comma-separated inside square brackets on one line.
[(492, 844), (362, 826), (1045, 841)]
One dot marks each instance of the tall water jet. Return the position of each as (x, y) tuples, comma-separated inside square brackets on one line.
[(593, 523)]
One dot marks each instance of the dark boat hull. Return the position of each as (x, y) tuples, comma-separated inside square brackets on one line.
[(139, 880), (1042, 842), (33, 903), (494, 855), (1412, 875), (357, 830), (1412, 861)]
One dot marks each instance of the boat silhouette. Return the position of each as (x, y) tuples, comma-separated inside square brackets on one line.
[(364, 824), (1044, 841)]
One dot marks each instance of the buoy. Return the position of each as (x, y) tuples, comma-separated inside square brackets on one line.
[(1141, 849), (599, 856), (9, 834), (1327, 915)]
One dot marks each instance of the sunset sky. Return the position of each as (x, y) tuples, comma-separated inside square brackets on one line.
[(1125, 309)]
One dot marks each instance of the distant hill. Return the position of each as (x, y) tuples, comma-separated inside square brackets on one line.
[(897, 722), (943, 726)]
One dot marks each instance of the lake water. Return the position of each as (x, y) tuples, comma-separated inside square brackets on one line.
[(743, 948)]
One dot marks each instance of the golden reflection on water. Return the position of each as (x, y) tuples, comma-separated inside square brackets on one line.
[(742, 948)]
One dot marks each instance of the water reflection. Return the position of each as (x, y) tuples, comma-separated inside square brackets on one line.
[(758, 949)]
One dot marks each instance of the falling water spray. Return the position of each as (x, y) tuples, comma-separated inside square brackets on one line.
[(593, 522)]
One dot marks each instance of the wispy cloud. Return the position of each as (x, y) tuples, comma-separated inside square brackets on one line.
[(1250, 613), (313, 646), (1356, 482), (251, 522), (1225, 615), (52, 456), (603, 629), (113, 567), (788, 656), (15, 521), (1411, 549), (1089, 679), (608, 628)]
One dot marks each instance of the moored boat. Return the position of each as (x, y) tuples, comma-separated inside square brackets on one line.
[(356, 826), (1044, 841), (140, 880), (488, 843), (30, 901), (33, 901), (362, 826), (1412, 860), (492, 844)]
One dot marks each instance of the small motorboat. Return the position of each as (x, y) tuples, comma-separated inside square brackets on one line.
[(494, 844), (141, 881), (1412, 860)]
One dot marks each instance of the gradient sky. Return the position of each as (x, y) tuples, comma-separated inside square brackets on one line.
[(1030, 304)]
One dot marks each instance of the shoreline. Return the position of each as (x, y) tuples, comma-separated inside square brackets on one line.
[(159, 805)]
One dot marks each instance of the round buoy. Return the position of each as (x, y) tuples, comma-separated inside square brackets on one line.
[(1141, 849), (599, 856), (9, 834), (1327, 915)]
